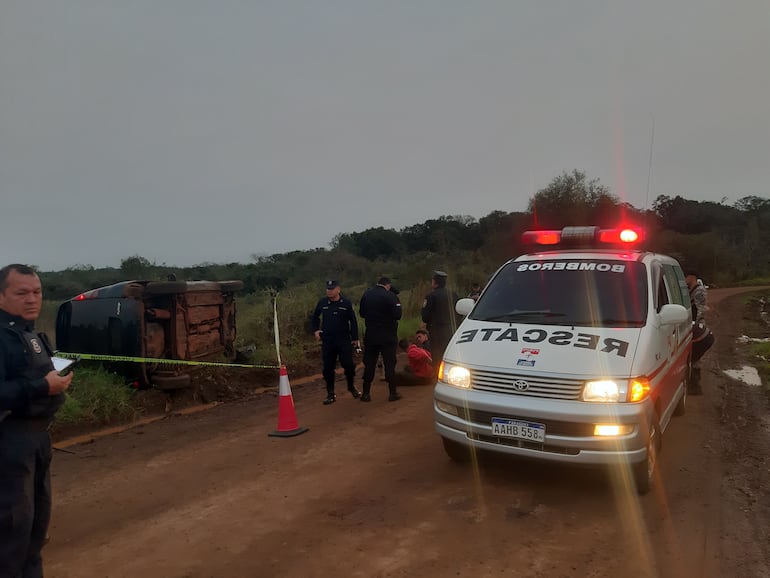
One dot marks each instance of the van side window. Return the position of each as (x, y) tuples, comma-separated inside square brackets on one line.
[(684, 291), (674, 285)]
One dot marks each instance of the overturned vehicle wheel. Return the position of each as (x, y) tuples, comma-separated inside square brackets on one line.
[(170, 380)]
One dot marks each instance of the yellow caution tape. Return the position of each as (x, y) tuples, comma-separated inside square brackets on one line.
[(97, 357)]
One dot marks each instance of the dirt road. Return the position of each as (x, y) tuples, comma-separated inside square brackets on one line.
[(368, 491)]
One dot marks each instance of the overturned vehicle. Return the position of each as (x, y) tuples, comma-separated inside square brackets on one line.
[(175, 320)]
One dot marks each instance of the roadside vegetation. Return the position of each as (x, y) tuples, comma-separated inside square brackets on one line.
[(95, 397), (725, 244), (757, 326)]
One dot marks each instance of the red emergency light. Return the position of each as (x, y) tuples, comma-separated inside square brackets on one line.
[(621, 236), (541, 237), (585, 237)]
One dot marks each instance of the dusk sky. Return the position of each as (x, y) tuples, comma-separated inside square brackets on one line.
[(189, 131)]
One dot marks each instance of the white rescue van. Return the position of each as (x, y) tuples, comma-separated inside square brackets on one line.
[(578, 352)]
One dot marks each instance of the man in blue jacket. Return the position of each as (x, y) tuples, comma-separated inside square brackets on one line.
[(31, 392), (336, 327)]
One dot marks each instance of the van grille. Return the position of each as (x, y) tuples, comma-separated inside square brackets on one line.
[(547, 387)]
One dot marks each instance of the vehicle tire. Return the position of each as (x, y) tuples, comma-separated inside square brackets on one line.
[(231, 286), (644, 471), (681, 407), (456, 452), (171, 380), (165, 287)]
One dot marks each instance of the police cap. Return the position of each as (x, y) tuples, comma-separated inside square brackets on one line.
[(332, 283)]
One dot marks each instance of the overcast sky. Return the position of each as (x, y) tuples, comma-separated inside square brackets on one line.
[(189, 131)]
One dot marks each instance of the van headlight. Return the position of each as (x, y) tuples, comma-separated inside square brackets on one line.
[(605, 390), (616, 390), (455, 375)]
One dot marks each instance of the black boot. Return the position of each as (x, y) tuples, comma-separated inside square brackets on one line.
[(394, 395), (331, 397), (353, 391), (365, 396)]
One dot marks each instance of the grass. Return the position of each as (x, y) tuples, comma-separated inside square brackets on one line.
[(96, 396), (295, 308), (760, 352)]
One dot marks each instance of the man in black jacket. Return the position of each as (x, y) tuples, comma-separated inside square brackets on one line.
[(31, 392), (438, 314), (338, 334), (381, 309)]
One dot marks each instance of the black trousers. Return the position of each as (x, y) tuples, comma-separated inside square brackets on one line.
[(373, 348), (25, 496), (343, 350), (439, 339), (701, 347)]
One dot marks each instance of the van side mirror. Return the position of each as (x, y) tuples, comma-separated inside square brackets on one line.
[(464, 306), (673, 314)]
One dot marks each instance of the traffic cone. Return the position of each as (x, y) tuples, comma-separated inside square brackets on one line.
[(287, 419)]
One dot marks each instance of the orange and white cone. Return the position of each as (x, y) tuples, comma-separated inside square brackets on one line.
[(287, 418)]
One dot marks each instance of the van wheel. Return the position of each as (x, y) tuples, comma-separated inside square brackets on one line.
[(681, 407), (456, 452), (645, 470)]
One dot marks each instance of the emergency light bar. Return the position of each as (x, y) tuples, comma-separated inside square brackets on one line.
[(585, 237)]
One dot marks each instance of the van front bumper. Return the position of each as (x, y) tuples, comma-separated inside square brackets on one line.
[(465, 417)]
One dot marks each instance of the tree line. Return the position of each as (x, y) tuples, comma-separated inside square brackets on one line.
[(726, 244)]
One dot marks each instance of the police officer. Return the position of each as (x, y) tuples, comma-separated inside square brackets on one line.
[(338, 334), (438, 314), (30, 393), (381, 309)]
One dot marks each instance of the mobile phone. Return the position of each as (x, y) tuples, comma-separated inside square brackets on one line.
[(68, 368)]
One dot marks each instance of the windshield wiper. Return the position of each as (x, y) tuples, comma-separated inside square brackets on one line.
[(514, 315), (606, 322), (622, 322)]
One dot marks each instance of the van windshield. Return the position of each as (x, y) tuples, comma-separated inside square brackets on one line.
[(585, 292)]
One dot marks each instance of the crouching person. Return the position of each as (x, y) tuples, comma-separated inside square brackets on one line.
[(419, 370)]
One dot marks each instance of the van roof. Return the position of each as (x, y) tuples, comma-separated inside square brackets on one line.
[(613, 254), (584, 254)]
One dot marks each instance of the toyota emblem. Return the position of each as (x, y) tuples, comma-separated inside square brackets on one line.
[(520, 385)]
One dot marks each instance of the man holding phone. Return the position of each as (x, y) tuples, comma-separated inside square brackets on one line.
[(31, 391)]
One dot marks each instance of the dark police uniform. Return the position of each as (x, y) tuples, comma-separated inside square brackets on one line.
[(26, 411), (438, 314), (339, 328), (381, 309)]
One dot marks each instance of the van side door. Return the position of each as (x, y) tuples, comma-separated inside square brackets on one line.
[(670, 291)]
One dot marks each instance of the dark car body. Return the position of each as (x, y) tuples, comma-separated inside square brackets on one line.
[(179, 320)]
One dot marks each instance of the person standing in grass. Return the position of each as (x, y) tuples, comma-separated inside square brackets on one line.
[(31, 391), (438, 314)]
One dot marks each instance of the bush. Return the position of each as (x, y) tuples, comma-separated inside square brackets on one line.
[(96, 396)]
